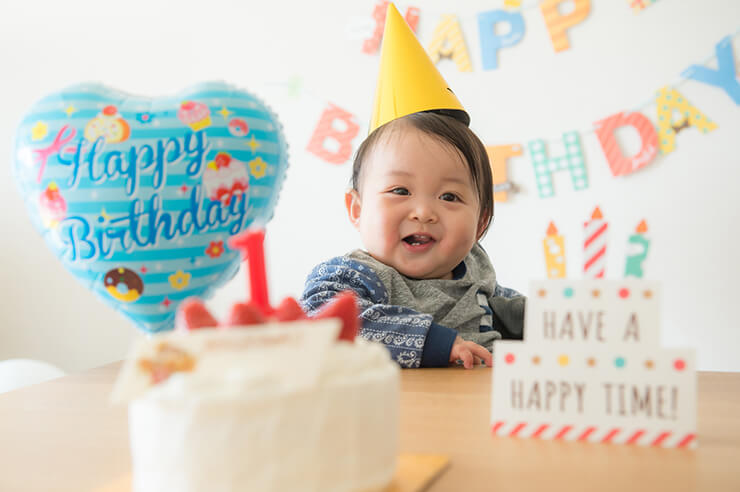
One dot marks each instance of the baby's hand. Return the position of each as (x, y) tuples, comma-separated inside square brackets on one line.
[(470, 353)]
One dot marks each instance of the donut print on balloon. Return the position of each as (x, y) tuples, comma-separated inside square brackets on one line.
[(238, 127), (109, 125), (123, 284)]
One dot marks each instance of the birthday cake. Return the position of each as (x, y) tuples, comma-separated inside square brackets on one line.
[(268, 399)]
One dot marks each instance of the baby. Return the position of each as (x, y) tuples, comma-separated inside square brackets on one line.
[(421, 199)]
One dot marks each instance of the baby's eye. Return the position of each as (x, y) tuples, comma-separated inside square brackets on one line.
[(450, 197), (400, 191)]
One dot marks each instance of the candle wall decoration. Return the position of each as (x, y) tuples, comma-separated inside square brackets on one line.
[(594, 245), (554, 246), (637, 250)]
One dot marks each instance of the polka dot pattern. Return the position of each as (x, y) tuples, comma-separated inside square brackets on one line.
[(669, 100), (619, 362), (625, 293)]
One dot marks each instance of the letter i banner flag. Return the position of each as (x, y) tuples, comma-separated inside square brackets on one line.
[(138, 196), (590, 368)]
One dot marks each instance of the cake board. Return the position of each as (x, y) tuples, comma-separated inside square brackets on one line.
[(415, 473)]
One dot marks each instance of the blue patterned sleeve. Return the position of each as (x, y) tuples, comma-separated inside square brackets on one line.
[(402, 330), (506, 292), (508, 307)]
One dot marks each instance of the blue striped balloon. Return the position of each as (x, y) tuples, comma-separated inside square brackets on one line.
[(138, 196)]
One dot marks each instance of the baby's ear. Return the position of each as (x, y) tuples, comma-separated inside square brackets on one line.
[(354, 207), (482, 225)]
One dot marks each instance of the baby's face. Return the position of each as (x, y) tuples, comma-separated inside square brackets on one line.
[(417, 209)]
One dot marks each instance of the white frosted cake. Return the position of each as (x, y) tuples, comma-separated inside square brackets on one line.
[(274, 407)]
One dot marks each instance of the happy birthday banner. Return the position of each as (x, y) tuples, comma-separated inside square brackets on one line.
[(591, 369), (448, 40), (336, 129)]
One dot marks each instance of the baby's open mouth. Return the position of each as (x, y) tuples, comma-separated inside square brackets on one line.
[(418, 239)]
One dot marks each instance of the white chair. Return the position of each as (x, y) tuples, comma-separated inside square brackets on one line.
[(17, 373)]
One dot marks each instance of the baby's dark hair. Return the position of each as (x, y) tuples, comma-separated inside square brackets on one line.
[(449, 131)]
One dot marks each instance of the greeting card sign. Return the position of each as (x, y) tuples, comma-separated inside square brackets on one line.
[(594, 313), (591, 369)]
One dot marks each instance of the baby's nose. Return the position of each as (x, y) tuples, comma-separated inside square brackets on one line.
[(423, 212)]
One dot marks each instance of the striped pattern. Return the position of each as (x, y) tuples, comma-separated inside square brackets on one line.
[(619, 164), (594, 247), (325, 131), (173, 268), (668, 100), (448, 42), (605, 435), (558, 24)]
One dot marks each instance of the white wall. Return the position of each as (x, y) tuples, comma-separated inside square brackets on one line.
[(616, 62)]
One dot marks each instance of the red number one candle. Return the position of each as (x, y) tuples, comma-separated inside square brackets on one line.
[(251, 243), (594, 245)]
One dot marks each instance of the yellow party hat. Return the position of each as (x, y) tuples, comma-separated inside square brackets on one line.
[(408, 81)]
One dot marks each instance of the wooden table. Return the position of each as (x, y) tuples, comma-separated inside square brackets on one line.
[(63, 436)]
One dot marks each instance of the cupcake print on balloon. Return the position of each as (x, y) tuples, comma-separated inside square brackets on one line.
[(132, 192)]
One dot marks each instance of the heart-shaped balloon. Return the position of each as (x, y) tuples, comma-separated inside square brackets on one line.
[(138, 196)]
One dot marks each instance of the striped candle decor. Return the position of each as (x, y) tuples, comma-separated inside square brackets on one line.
[(594, 245)]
